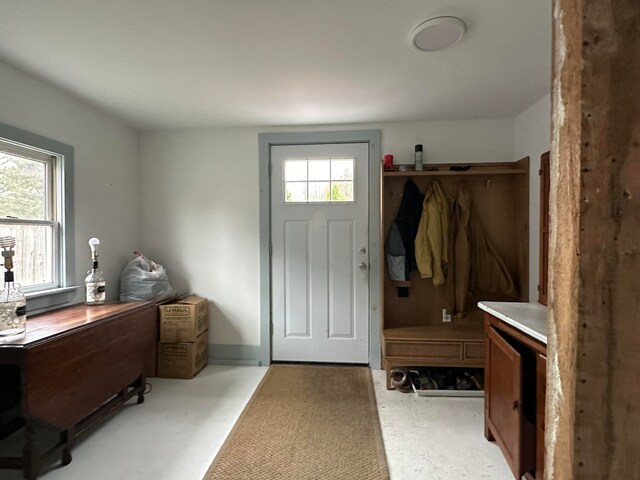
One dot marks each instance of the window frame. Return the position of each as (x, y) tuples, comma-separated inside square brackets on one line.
[(44, 297), (51, 207)]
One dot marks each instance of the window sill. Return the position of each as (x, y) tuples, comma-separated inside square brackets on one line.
[(44, 300)]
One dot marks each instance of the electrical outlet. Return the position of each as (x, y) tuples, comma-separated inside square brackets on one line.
[(446, 317)]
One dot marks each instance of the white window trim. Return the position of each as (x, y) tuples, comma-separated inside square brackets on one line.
[(64, 291), (307, 181)]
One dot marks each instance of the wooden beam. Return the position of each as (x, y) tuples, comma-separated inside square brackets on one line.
[(593, 389)]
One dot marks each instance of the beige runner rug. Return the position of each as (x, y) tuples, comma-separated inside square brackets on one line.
[(306, 422)]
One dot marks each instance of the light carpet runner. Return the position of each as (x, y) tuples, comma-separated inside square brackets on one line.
[(306, 423)]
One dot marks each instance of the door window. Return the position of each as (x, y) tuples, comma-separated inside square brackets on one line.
[(318, 180)]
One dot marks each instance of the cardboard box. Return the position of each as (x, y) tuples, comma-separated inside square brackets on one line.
[(183, 360), (184, 320)]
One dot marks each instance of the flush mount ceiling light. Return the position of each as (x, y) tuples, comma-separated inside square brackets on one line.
[(438, 33)]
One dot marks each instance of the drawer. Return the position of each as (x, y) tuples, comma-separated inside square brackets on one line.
[(435, 350), (474, 351)]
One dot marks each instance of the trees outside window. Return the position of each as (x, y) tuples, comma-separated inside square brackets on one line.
[(29, 207)]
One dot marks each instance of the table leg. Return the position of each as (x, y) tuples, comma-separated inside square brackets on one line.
[(67, 438), (30, 456), (143, 383)]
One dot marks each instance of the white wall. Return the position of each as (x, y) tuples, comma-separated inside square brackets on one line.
[(532, 138), (189, 198), (106, 168), (199, 205)]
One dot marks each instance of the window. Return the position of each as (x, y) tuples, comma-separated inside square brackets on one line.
[(36, 208), (318, 180), (28, 213)]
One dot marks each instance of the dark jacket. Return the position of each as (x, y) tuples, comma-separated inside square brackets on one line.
[(407, 221)]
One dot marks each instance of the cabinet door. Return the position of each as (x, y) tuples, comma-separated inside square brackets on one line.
[(541, 395), (504, 399)]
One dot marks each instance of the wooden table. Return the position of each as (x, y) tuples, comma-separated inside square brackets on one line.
[(73, 367)]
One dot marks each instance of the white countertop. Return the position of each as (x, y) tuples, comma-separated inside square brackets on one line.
[(529, 318)]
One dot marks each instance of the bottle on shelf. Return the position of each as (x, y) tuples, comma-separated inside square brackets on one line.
[(13, 304), (95, 285), (418, 157)]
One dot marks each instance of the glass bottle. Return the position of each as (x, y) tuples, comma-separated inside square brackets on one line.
[(95, 286), (13, 308)]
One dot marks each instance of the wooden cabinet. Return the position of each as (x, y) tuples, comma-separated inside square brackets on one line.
[(541, 395), (413, 333), (515, 368), (505, 403), (73, 368)]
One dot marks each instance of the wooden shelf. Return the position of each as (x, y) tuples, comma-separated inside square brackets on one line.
[(443, 170), (451, 393)]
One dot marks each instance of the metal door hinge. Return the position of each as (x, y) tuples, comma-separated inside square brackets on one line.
[(269, 168), (270, 248)]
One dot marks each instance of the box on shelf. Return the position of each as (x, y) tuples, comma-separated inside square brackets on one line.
[(184, 320), (182, 360)]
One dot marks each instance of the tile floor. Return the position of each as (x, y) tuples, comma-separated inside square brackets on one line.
[(182, 424)]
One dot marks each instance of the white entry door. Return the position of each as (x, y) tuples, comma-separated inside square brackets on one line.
[(320, 242)]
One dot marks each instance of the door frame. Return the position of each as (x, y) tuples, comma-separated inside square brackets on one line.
[(268, 140)]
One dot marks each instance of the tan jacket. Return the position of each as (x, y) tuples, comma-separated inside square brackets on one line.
[(462, 248), (432, 240), (479, 268)]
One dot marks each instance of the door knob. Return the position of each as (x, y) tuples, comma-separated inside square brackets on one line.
[(362, 266)]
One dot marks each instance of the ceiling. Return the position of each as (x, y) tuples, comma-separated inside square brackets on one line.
[(196, 63)]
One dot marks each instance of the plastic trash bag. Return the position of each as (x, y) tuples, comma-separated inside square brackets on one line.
[(143, 279)]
